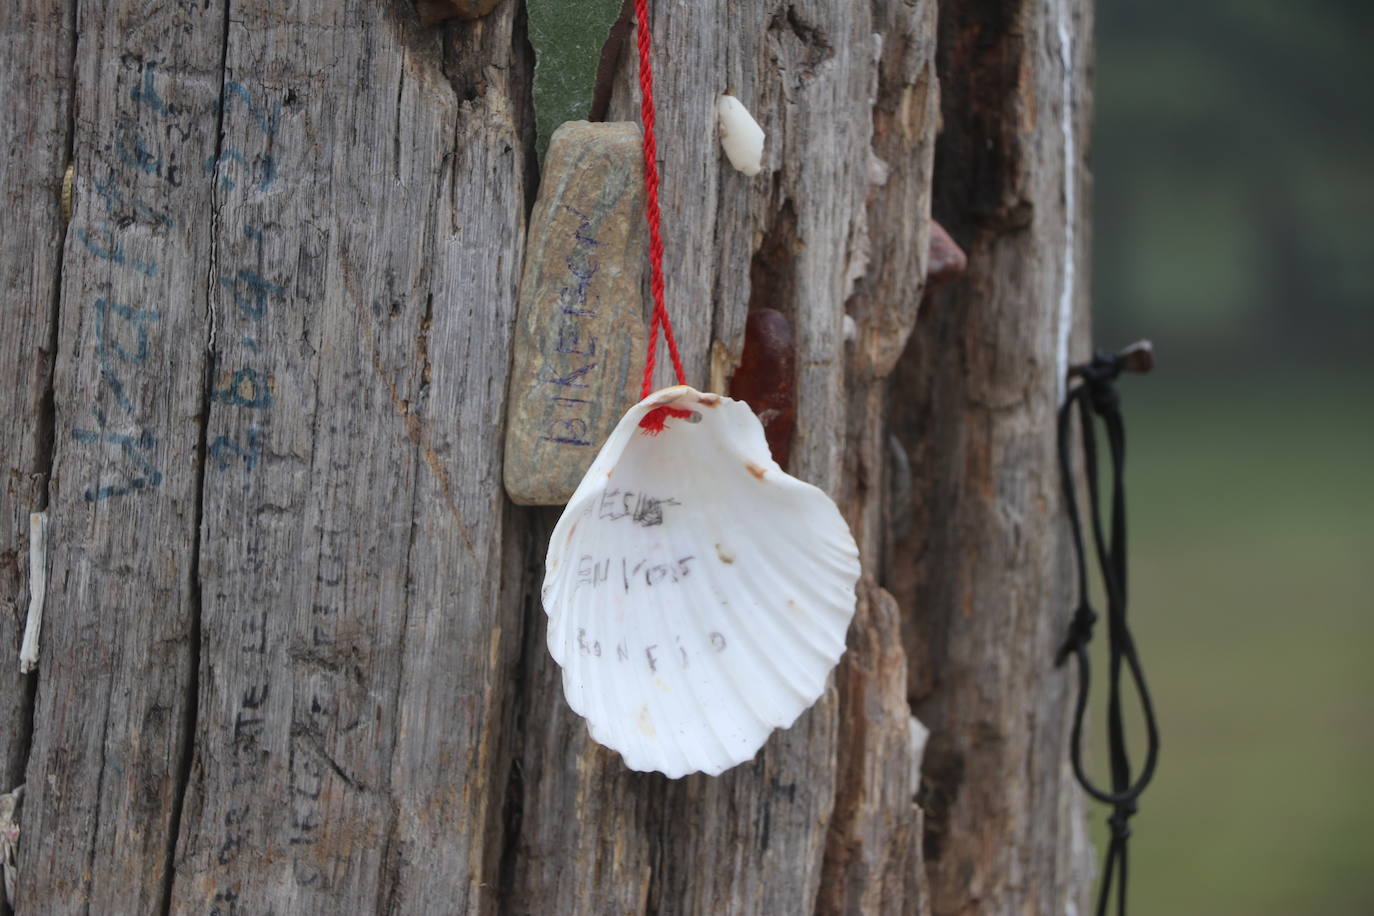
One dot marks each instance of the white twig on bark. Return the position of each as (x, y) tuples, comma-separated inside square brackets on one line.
[(38, 590)]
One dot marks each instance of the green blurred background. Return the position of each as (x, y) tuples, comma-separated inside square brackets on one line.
[(1234, 226)]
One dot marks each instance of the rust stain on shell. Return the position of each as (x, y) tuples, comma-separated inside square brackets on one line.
[(754, 469), (646, 723)]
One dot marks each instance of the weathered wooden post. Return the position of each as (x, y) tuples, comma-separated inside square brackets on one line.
[(293, 655)]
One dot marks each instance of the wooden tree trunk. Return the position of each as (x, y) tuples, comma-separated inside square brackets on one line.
[(293, 656)]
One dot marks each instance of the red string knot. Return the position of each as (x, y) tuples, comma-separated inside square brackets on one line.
[(656, 420)]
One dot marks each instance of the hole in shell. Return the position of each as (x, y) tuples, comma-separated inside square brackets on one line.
[(694, 417)]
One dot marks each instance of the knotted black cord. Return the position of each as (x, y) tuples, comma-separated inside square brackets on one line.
[(1095, 394)]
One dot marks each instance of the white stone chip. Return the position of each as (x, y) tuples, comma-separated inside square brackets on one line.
[(740, 135), (38, 590)]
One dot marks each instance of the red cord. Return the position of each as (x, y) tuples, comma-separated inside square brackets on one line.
[(656, 420), (651, 211)]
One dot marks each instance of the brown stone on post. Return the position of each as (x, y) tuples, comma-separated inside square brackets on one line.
[(946, 260), (580, 336), (766, 379)]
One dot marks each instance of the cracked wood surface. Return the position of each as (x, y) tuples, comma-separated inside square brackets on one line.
[(354, 650), (984, 564), (294, 655), (116, 673), (35, 58)]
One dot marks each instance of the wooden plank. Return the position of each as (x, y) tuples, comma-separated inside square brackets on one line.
[(988, 577), (873, 851), (113, 695), (874, 859), (579, 351), (35, 76), (463, 641), (355, 655)]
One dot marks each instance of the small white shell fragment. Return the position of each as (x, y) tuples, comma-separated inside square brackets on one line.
[(851, 329), (740, 135), (698, 596)]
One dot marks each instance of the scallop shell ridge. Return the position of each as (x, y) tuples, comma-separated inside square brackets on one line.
[(697, 595)]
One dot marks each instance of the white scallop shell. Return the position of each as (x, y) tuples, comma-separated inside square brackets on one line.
[(697, 595)]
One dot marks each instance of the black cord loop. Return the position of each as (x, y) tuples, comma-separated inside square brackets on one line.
[(1095, 396)]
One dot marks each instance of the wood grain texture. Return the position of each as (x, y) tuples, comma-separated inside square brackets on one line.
[(578, 360), (985, 580), (116, 666), (294, 658), (355, 658), (35, 70), (873, 851)]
